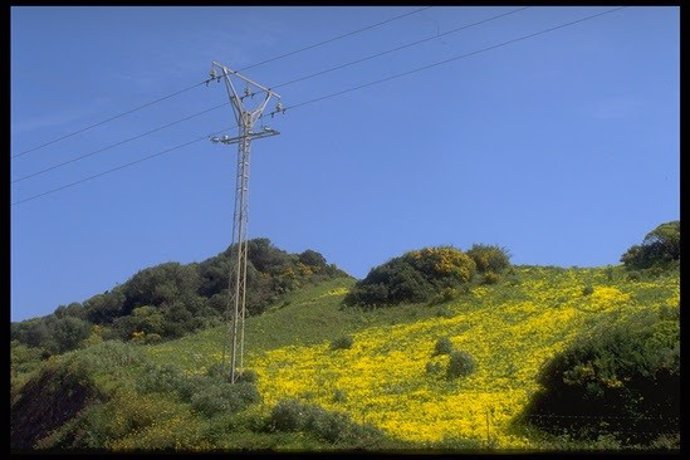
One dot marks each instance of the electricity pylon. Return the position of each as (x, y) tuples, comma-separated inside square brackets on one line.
[(246, 116)]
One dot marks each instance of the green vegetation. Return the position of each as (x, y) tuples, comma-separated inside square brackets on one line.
[(342, 342), (659, 249), (540, 358), (171, 300), (489, 258), (416, 276), (461, 364), (622, 378), (331, 427), (443, 346)]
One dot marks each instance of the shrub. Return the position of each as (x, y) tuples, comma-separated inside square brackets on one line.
[(490, 278), (329, 426), (446, 295), (217, 370), (433, 367), (461, 364), (634, 275), (162, 379), (443, 346), (416, 276), (442, 266), (343, 342), (659, 248), (333, 427), (610, 274), (224, 398), (587, 290), (209, 401), (58, 392), (287, 415), (626, 373), (339, 396), (312, 258), (192, 385), (247, 376), (152, 338), (489, 258)]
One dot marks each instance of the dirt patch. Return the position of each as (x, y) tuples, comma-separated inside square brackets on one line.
[(45, 403)]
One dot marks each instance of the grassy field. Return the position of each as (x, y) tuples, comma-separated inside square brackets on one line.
[(510, 328)]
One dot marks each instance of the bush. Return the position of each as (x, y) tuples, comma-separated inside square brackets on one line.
[(443, 346), (447, 294), (626, 374), (287, 415), (489, 258), (329, 426), (333, 427), (49, 399), (162, 379), (247, 376), (343, 342), (461, 364), (433, 367), (414, 277), (587, 290), (224, 398), (490, 278), (659, 248), (634, 275), (152, 338), (312, 258)]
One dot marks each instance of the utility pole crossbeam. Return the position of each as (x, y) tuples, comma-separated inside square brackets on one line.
[(246, 118)]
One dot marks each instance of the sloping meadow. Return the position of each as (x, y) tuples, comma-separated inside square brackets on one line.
[(390, 378)]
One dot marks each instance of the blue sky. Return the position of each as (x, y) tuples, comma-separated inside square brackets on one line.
[(563, 148)]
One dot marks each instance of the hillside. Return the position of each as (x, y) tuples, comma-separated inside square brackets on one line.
[(386, 382), (171, 300)]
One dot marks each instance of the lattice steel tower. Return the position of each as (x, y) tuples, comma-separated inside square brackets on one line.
[(246, 117)]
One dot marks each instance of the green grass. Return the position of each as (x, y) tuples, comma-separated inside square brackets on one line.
[(307, 317), (310, 316)]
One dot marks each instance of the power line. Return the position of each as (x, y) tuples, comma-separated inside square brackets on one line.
[(306, 77), (408, 45), (117, 168), (330, 40), (139, 136), (176, 93), (120, 115), (455, 58), (338, 93)]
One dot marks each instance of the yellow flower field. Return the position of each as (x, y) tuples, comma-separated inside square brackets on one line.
[(384, 380)]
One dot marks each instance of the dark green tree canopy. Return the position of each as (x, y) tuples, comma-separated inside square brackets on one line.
[(660, 248), (413, 277), (172, 299)]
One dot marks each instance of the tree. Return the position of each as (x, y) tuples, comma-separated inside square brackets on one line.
[(264, 256), (489, 258), (34, 333), (104, 308), (167, 282), (667, 237), (68, 333), (660, 247), (312, 258)]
